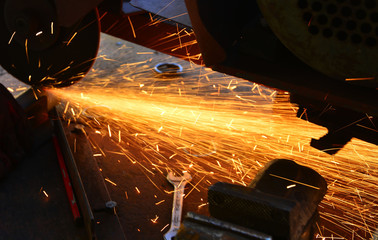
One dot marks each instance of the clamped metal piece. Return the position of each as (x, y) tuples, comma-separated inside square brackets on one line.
[(200, 227), (281, 201)]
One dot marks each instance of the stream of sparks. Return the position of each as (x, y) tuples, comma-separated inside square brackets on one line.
[(220, 128)]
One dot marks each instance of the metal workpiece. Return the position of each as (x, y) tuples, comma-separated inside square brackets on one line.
[(104, 222), (201, 227), (281, 201), (77, 184)]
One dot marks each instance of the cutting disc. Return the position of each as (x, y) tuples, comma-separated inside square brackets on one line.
[(38, 52)]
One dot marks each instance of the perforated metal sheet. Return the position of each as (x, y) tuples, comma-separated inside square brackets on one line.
[(338, 38)]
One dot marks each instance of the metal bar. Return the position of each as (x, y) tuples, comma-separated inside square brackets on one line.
[(78, 187)]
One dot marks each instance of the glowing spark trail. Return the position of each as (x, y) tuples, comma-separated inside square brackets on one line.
[(26, 50), (11, 38), (290, 180), (73, 36), (132, 27), (226, 136)]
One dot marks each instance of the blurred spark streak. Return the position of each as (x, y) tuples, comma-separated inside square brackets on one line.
[(309, 22), (291, 186), (202, 205), (178, 34), (137, 189), (131, 25), (290, 180), (110, 132), (371, 129), (171, 18), (26, 50), (164, 227), (187, 33), (163, 8), (160, 202), (44, 192), (241, 151), (151, 18), (38, 33), (105, 58), (154, 184), (195, 187), (195, 122), (155, 219), (10, 40), (35, 94), (110, 181), (52, 28), (186, 44), (229, 84), (363, 219), (73, 36), (359, 120), (370, 119), (64, 69), (359, 79)]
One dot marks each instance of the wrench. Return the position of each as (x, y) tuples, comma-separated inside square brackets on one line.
[(179, 183)]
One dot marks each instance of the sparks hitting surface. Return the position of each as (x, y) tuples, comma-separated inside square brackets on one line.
[(220, 128)]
